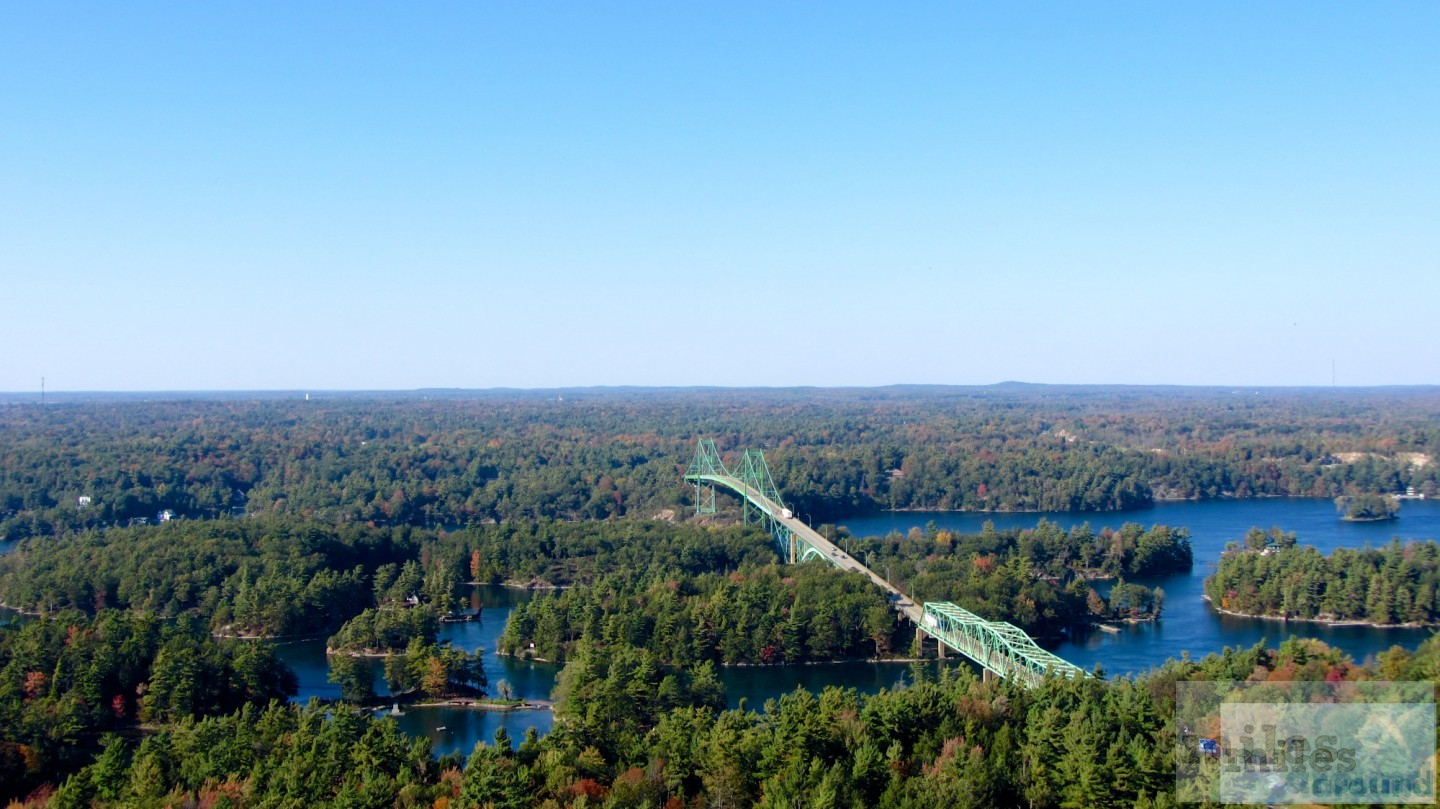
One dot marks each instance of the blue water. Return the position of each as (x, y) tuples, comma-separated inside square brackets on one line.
[(1189, 624), (8, 615), (450, 730)]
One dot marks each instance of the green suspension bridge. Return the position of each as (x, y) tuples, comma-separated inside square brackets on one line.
[(1001, 649)]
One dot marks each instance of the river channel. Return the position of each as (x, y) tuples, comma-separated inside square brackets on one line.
[(1188, 625)]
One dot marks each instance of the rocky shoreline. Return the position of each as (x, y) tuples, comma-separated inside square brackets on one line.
[(1324, 621)]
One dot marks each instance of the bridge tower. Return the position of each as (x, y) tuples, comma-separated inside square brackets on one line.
[(707, 463), (753, 471)]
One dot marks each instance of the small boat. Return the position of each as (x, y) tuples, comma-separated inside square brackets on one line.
[(442, 727), (1111, 628), (395, 710)]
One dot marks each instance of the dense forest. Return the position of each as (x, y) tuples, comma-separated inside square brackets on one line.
[(764, 614), (384, 630), (244, 577), (1036, 578), (67, 680), (1272, 575), (632, 733), (278, 576), (453, 459)]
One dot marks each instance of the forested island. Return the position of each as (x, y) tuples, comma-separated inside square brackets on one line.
[(446, 458), (1273, 576), (1036, 578), (1368, 507)]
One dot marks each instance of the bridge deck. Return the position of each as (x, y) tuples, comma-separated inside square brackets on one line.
[(997, 646), (829, 550)]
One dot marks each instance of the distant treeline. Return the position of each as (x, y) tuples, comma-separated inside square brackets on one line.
[(453, 461)]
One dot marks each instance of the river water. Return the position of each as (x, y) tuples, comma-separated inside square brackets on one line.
[(1188, 625)]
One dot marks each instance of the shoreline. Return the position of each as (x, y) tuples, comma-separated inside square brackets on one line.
[(875, 660), (513, 584), (1154, 500), (476, 705), (277, 638), (1322, 621), (746, 665), (367, 653), (839, 521), (31, 613)]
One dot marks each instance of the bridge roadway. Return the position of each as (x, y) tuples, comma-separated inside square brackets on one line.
[(1000, 648), (824, 547)]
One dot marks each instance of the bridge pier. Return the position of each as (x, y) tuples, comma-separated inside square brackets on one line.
[(921, 635), (986, 675)]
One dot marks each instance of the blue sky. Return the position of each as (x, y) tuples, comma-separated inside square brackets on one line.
[(390, 196)]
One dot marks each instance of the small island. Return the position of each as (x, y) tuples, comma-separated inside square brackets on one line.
[(1368, 507)]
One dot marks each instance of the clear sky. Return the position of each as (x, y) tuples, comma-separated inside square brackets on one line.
[(250, 195)]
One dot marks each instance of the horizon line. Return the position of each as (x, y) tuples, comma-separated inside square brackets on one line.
[(48, 392)]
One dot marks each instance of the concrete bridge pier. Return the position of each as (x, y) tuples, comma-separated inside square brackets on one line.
[(921, 635)]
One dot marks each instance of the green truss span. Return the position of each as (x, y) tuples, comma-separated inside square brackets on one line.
[(998, 647)]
